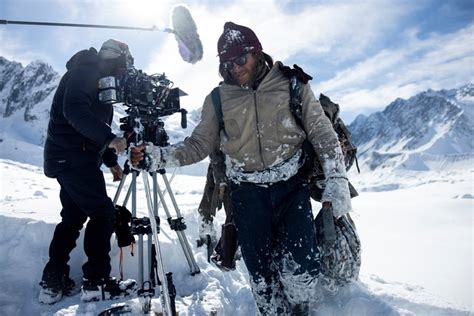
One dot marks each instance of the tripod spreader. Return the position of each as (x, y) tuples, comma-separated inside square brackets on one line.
[(177, 224), (142, 225)]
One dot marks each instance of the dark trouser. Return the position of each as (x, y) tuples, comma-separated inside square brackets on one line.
[(83, 194), (276, 233)]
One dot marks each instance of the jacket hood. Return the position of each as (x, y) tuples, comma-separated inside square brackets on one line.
[(83, 57)]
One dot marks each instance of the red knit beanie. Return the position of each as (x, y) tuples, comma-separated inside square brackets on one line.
[(235, 41)]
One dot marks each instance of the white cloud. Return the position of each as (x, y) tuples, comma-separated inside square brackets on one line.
[(13, 49), (318, 30), (437, 62)]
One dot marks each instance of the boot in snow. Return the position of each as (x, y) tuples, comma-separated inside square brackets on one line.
[(53, 288), (96, 290)]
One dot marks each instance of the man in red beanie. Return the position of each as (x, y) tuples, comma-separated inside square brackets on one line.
[(262, 144)]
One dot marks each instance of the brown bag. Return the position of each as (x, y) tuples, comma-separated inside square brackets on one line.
[(225, 252)]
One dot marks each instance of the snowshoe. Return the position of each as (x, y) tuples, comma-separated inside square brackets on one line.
[(97, 290)]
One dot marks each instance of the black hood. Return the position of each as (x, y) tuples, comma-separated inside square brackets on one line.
[(83, 57)]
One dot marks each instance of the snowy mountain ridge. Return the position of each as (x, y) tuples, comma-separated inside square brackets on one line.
[(24, 88), (418, 133), (430, 130)]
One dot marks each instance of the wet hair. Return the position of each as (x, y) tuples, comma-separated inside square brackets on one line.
[(264, 63)]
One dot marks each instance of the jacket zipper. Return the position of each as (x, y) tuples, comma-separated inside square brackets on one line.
[(258, 130)]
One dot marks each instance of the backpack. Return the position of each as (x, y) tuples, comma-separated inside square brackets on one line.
[(312, 168)]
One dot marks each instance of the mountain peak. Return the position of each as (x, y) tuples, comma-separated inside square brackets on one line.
[(21, 88), (435, 123)]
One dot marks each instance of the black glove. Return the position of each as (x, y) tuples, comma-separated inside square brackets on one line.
[(122, 226)]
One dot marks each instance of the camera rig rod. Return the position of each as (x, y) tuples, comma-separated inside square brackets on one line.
[(100, 26)]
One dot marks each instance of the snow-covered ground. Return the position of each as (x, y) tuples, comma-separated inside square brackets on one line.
[(416, 231)]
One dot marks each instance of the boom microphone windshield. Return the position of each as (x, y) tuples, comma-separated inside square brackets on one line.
[(189, 43)]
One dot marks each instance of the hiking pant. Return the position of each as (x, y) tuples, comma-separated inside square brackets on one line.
[(83, 195), (277, 238)]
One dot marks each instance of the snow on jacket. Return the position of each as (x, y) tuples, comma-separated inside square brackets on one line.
[(79, 126), (261, 133)]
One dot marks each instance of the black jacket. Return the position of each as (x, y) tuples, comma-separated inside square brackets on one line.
[(79, 126)]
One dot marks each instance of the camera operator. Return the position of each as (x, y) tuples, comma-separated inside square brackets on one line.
[(263, 143), (79, 140)]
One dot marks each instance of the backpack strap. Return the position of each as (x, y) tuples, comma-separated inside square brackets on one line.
[(296, 75), (216, 101), (296, 102)]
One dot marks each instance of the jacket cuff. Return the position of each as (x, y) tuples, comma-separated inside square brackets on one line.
[(109, 158), (108, 140)]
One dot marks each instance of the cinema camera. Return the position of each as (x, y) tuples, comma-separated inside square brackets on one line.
[(146, 98)]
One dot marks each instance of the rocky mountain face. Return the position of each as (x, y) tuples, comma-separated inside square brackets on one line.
[(429, 129), (22, 88)]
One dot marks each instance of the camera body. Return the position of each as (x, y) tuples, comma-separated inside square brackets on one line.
[(146, 99)]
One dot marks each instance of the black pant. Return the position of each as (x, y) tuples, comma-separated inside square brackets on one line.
[(83, 195), (276, 233)]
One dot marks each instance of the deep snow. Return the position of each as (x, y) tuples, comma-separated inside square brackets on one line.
[(415, 228)]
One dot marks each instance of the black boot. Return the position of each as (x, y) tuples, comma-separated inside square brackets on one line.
[(96, 290), (55, 284)]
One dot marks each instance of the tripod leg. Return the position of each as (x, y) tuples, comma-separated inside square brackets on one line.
[(119, 189), (194, 268), (127, 196), (166, 191), (140, 259), (133, 187), (133, 191), (165, 297), (182, 237)]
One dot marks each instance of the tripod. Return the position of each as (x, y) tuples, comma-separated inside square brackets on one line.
[(150, 226)]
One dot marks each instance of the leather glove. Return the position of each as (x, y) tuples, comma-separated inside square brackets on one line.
[(117, 172), (146, 156)]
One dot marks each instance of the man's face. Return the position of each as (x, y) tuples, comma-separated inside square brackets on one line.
[(243, 74)]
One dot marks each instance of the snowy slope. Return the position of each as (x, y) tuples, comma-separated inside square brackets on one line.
[(416, 261)]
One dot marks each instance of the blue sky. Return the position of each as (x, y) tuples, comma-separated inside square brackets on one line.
[(363, 54)]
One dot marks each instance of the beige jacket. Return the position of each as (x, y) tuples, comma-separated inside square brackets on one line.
[(261, 130)]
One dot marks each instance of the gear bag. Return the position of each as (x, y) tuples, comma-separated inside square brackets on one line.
[(339, 247)]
